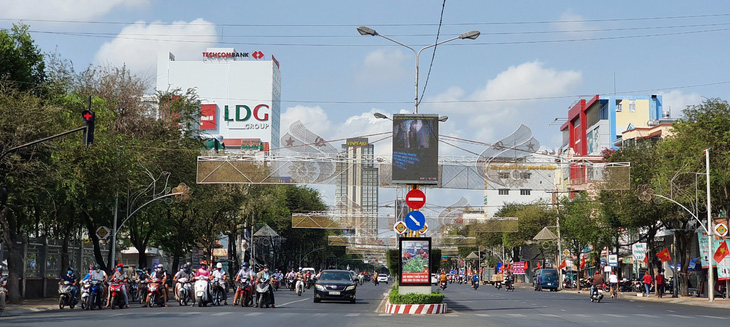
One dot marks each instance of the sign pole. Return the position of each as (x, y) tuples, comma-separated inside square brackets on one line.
[(710, 272)]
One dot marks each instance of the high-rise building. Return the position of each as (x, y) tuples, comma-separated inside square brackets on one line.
[(356, 194), (240, 94)]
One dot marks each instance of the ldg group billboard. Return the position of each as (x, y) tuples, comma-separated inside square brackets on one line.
[(415, 149)]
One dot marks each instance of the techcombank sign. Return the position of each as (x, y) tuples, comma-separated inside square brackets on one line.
[(240, 94)]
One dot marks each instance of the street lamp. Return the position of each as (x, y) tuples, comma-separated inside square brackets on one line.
[(364, 30)]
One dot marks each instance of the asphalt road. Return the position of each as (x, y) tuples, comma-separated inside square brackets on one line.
[(483, 307)]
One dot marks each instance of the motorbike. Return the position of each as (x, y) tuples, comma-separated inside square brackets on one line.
[(508, 285), (475, 285), (133, 293), (375, 281), (155, 293), (245, 293), (142, 290), (202, 291), (443, 285), (275, 282), (596, 294), (309, 283), (184, 291), (216, 291), (498, 285), (65, 297), (262, 293), (117, 298), (91, 295), (299, 287)]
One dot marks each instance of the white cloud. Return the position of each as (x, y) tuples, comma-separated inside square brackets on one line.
[(313, 118), (676, 101), (383, 65), (495, 106), (138, 45), (64, 9), (572, 23)]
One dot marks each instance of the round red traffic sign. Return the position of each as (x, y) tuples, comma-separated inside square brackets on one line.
[(415, 199)]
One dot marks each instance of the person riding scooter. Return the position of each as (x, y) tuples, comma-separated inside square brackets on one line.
[(265, 276), (161, 276), (244, 277), (71, 278), (119, 276)]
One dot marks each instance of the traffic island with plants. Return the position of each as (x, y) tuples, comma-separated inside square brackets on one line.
[(410, 303)]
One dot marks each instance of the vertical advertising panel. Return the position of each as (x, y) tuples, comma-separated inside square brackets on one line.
[(208, 116), (415, 254), (415, 149)]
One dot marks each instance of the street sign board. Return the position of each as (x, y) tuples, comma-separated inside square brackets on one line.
[(566, 252), (638, 251), (415, 199), (415, 220), (400, 227), (425, 228), (613, 260), (103, 232), (720, 230)]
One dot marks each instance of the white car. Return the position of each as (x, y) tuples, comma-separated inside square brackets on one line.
[(383, 279)]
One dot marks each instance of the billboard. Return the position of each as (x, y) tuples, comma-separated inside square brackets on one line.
[(415, 149), (208, 114), (415, 254)]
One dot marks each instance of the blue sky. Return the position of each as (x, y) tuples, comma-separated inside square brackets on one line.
[(533, 60)]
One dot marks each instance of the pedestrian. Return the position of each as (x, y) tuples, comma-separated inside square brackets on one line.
[(647, 282), (660, 283), (538, 282)]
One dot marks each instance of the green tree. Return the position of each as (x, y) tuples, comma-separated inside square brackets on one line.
[(21, 62)]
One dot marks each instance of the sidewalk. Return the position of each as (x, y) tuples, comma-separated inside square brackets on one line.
[(720, 303), (35, 305)]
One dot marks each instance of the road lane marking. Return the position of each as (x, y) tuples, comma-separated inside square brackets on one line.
[(320, 314), (515, 314), (385, 315), (614, 315), (680, 316), (714, 317), (483, 315), (254, 314), (352, 315), (645, 315), (221, 313), (292, 302), (549, 315)]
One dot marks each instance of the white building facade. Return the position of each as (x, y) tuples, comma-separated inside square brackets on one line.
[(240, 94)]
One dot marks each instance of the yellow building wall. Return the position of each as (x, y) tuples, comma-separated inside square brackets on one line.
[(638, 118)]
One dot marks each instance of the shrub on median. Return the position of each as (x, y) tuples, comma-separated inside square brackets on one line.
[(396, 298)]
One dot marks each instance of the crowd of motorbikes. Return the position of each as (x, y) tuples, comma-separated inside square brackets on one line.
[(463, 279)]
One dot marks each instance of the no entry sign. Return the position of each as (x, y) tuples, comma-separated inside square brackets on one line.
[(415, 199)]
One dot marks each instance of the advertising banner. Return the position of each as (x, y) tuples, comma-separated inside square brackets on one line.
[(415, 149), (704, 251), (638, 251), (723, 267), (518, 268), (208, 116), (415, 254)]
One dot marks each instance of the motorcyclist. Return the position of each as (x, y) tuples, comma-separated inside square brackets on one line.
[(96, 274), (265, 274), (185, 272), (71, 278), (244, 276), (119, 276), (508, 279), (375, 278), (223, 277), (162, 276), (291, 278), (474, 279), (442, 278), (596, 281)]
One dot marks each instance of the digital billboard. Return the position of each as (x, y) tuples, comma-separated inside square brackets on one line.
[(415, 149), (415, 254)]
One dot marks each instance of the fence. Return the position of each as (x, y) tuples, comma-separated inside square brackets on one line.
[(42, 266)]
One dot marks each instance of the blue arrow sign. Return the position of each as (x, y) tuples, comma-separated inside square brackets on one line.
[(415, 220)]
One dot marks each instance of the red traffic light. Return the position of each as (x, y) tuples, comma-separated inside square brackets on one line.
[(88, 116)]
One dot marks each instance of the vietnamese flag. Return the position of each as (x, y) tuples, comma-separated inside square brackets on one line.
[(646, 259), (664, 255), (582, 263), (538, 266), (721, 252), (562, 265)]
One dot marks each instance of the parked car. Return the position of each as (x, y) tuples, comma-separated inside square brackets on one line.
[(549, 279), (383, 278), (335, 285)]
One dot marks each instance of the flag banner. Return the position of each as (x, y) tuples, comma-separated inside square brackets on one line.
[(664, 255)]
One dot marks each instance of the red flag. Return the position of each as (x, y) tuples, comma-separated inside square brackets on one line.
[(664, 255), (646, 259), (538, 266), (582, 263), (721, 252), (562, 265)]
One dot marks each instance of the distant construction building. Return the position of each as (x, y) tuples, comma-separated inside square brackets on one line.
[(356, 194)]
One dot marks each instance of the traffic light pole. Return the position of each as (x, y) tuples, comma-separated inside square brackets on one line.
[(41, 141)]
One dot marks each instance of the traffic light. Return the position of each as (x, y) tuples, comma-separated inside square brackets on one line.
[(89, 118)]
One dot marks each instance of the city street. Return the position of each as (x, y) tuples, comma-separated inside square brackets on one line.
[(484, 307)]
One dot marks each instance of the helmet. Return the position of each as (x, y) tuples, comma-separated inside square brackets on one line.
[(182, 267), (245, 264), (186, 265), (159, 265), (91, 267), (219, 266), (120, 265)]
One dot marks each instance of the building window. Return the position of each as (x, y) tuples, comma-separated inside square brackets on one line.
[(619, 107), (524, 192), (503, 191), (632, 106)]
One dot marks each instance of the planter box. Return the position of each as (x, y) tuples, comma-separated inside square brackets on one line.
[(417, 309)]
